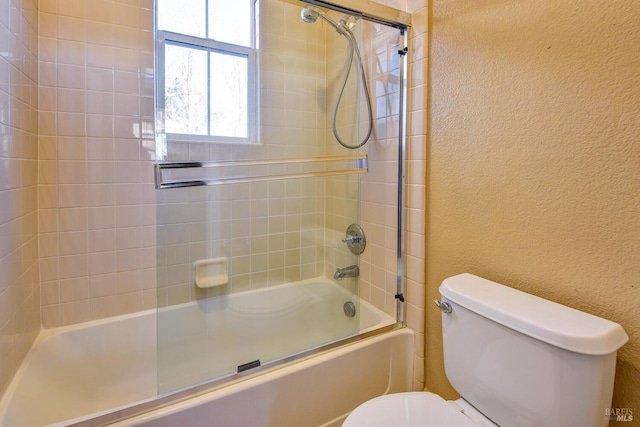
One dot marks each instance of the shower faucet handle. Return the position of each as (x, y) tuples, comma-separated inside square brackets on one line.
[(355, 239), (351, 239)]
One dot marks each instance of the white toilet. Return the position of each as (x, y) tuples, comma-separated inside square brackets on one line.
[(517, 361)]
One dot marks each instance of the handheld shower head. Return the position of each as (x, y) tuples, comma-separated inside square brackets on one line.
[(310, 15)]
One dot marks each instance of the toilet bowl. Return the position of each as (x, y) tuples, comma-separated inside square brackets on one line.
[(516, 360), (417, 409)]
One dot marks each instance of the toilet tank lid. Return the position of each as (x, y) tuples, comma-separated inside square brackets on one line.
[(536, 317)]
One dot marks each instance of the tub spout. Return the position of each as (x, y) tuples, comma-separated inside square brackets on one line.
[(351, 271)]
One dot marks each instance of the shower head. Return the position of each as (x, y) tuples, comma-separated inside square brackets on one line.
[(310, 15)]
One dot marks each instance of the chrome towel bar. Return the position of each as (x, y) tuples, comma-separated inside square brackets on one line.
[(361, 166)]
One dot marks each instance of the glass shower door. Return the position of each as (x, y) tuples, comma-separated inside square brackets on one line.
[(253, 261)]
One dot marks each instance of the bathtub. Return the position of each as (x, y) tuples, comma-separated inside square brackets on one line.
[(103, 371)]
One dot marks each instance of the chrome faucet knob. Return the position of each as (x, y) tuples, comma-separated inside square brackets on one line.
[(355, 239), (351, 239)]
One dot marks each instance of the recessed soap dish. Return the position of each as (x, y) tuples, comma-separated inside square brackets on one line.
[(212, 272)]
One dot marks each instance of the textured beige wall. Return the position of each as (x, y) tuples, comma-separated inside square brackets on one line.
[(534, 162)]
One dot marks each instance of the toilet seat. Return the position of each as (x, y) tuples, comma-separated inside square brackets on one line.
[(417, 409)]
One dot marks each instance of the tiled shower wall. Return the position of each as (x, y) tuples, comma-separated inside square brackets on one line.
[(19, 275), (282, 231), (270, 232), (380, 185), (96, 198), (97, 203), (342, 198)]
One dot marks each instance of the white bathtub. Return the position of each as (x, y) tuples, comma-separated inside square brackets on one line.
[(317, 392), (104, 370)]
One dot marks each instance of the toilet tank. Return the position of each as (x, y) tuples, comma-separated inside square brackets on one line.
[(525, 361)]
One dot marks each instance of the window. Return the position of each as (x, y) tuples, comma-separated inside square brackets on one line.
[(207, 70)]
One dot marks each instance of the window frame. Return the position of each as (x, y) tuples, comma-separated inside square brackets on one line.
[(164, 37)]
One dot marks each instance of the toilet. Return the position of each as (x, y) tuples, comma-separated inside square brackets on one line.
[(516, 360)]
